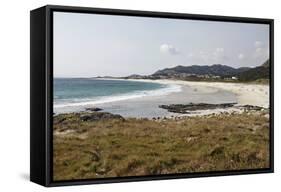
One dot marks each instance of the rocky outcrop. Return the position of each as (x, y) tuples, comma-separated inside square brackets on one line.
[(185, 109), (96, 116), (252, 108), (189, 108), (93, 109)]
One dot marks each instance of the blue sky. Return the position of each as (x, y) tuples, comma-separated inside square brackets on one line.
[(88, 45)]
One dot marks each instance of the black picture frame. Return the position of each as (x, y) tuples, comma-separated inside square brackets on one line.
[(41, 91)]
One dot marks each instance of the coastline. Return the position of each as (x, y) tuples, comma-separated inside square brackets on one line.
[(179, 92), (147, 105), (247, 94)]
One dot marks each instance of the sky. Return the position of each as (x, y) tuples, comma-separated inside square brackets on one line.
[(90, 45)]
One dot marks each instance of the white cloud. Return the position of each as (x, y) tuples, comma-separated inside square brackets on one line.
[(241, 56), (166, 48), (259, 44), (258, 50), (219, 50)]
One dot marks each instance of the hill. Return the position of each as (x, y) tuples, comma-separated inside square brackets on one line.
[(212, 70), (253, 74), (216, 72)]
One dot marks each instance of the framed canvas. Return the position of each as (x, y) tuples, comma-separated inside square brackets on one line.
[(125, 95)]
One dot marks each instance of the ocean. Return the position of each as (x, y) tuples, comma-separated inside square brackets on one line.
[(74, 94)]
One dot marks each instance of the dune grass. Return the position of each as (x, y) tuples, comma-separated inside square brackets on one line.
[(132, 147)]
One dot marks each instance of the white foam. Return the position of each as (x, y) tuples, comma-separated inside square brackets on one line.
[(133, 95)]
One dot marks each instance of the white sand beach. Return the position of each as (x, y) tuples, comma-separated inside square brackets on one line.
[(206, 92), (246, 93)]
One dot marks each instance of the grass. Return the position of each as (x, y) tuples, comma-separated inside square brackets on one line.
[(132, 147)]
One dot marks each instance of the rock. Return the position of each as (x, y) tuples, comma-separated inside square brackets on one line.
[(252, 108), (185, 109), (96, 116), (93, 109)]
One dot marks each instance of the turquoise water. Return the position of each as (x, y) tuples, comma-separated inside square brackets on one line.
[(83, 91)]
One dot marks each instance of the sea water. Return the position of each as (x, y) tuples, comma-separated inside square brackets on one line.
[(75, 94)]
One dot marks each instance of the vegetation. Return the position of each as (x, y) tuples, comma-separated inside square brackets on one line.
[(255, 74), (213, 70), (129, 147)]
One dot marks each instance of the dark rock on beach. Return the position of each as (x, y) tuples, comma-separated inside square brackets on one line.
[(185, 109), (93, 109), (252, 108), (99, 116)]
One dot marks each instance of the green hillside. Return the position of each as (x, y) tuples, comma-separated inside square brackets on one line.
[(260, 72)]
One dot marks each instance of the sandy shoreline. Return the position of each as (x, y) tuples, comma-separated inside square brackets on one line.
[(247, 94), (191, 92)]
